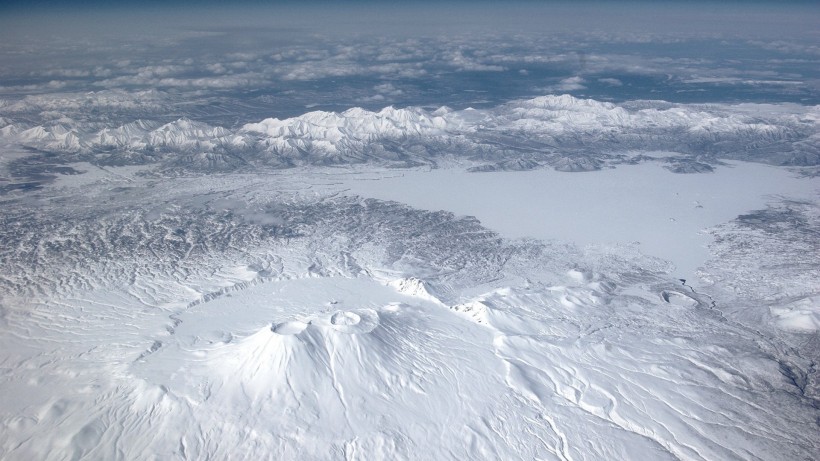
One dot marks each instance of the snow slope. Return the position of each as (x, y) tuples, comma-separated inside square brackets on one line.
[(351, 368), (239, 316), (564, 132), (305, 313)]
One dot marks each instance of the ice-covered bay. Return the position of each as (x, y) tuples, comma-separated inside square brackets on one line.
[(640, 204)]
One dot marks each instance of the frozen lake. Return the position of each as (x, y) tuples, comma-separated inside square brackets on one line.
[(664, 212)]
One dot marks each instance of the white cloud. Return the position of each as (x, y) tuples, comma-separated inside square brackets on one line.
[(106, 99), (374, 98), (161, 71), (223, 81), (388, 89), (611, 81), (216, 68), (384, 92), (314, 70), (568, 84), (464, 63), (35, 87)]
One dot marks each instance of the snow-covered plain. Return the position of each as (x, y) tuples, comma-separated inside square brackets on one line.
[(277, 314), (666, 214)]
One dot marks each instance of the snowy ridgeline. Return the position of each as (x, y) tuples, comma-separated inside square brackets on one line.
[(562, 132), (236, 316)]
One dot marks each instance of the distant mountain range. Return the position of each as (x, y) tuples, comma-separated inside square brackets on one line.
[(563, 132)]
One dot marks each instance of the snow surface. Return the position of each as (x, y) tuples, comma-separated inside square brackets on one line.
[(356, 233), (362, 312), (568, 133), (802, 315), (372, 330), (664, 213), (352, 368)]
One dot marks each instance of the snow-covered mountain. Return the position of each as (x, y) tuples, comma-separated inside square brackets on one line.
[(243, 319), (567, 133), (418, 231)]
